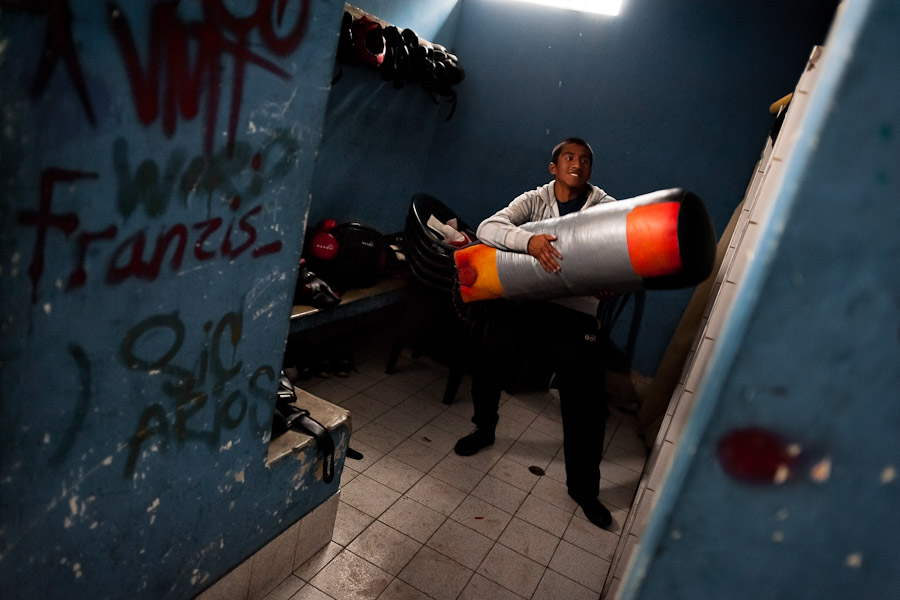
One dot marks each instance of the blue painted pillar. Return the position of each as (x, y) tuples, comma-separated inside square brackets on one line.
[(154, 173), (811, 355)]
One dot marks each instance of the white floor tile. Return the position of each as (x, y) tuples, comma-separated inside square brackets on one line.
[(544, 515), (612, 495), (379, 437), (400, 590), (482, 588), (308, 592), (518, 413), (438, 439), (528, 455), (438, 576), (464, 545), (417, 455), (417, 522), (350, 577), (554, 586), (368, 495), (394, 474), (421, 408), (555, 493), (514, 473), (587, 536), (399, 421), (370, 455), (542, 442), (456, 473), (384, 547), (435, 494), (317, 561), (366, 406), (484, 518), (500, 494), (349, 523), (512, 570), (549, 424), (286, 589), (580, 566), (529, 541)]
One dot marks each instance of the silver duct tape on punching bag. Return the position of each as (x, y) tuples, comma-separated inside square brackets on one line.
[(661, 240)]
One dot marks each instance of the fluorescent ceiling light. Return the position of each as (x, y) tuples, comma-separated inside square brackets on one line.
[(601, 7)]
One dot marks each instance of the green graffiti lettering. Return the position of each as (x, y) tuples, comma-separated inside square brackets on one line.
[(146, 187)]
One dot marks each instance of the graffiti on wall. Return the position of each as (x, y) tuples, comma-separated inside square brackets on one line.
[(238, 176), (171, 85), (142, 254), (183, 62), (167, 216), (200, 407), (59, 45)]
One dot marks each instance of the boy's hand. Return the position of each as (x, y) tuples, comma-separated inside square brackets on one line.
[(539, 246)]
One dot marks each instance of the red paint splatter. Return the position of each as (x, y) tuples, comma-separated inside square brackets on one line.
[(756, 455)]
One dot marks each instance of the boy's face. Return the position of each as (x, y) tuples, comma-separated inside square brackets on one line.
[(573, 167)]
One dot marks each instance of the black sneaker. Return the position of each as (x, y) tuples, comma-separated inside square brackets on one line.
[(474, 442), (594, 510)]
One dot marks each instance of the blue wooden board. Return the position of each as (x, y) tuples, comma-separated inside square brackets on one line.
[(156, 161)]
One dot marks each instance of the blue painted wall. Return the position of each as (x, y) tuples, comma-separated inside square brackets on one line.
[(136, 390), (152, 191), (810, 353), (377, 138), (669, 94)]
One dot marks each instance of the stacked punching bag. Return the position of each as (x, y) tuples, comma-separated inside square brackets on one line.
[(662, 240)]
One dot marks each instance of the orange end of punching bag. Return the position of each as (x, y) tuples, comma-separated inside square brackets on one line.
[(652, 234), (476, 269)]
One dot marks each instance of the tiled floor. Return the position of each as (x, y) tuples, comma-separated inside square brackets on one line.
[(418, 522)]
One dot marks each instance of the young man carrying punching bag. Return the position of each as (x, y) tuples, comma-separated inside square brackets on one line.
[(566, 332)]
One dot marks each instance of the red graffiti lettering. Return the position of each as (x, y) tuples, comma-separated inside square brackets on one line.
[(208, 227), (132, 248), (79, 274), (250, 230), (135, 265), (171, 79), (128, 258), (162, 245), (43, 219)]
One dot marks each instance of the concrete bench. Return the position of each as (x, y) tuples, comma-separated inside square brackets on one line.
[(273, 563)]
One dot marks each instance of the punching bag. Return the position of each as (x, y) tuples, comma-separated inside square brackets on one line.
[(661, 240)]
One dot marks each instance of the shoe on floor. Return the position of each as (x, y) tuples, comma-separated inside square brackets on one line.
[(474, 442), (342, 364), (323, 368), (594, 510)]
